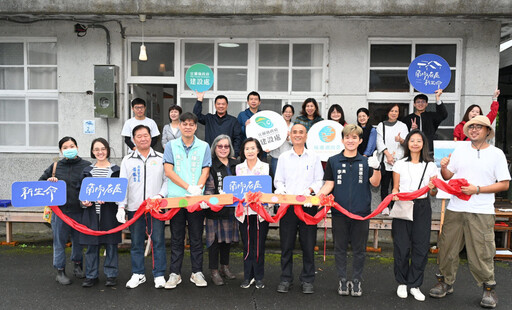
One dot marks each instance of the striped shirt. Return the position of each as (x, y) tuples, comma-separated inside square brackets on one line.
[(98, 172)]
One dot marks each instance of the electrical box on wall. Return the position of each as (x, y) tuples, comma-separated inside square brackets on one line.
[(105, 91)]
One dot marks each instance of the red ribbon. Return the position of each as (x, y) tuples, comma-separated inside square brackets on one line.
[(154, 207)]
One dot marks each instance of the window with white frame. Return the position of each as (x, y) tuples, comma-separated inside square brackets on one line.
[(28, 94), (389, 60)]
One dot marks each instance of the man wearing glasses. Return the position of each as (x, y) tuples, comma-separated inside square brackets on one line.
[(139, 118), (471, 222), (426, 121)]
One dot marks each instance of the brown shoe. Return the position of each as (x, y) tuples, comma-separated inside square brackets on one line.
[(489, 299), (216, 278), (441, 289), (226, 273)]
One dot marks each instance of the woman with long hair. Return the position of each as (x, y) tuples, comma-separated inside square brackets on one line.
[(472, 111), (411, 239), (369, 143), (310, 114), (100, 216)]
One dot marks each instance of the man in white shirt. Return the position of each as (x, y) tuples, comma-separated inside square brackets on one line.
[(299, 172), (139, 118), (146, 179), (471, 223)]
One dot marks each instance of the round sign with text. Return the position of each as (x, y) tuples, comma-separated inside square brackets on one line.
[(199, 77), (324, 138), (269, 128), (428, 73)]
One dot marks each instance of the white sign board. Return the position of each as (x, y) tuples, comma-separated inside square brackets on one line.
[(269, 128), (324, 138), (442, 149)]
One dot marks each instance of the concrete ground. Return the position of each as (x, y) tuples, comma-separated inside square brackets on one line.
[(27, 281)]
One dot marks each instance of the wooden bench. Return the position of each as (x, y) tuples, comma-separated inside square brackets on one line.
[(10, 215)]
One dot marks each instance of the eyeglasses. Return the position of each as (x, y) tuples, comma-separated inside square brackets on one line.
[(99, 150), (139, 107), (475, 127), (223, 146)]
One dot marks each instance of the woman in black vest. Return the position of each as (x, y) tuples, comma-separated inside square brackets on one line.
[(221, 227), (100, 216)]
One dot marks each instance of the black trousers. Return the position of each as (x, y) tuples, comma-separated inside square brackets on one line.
[(254, 257), (288, 227), (344, 231), (385, 181), (214, 250), (411, 241), (195, 222)]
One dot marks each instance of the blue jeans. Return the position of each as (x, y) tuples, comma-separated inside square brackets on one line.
[(92, 261), (61, 233), (138, 234)]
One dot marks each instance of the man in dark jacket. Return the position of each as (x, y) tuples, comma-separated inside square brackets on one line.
[(220, 122), (428, 122)]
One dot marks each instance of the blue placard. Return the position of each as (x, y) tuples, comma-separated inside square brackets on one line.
[(239, 185), (103, 189), (199, 77), (428, 73), (38, 194)]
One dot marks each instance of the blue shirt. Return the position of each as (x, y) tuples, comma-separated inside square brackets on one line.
[(351, 177), (242, 118), (169, 157)]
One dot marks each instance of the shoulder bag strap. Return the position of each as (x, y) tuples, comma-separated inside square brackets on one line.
[(54, 169), (419, 185)]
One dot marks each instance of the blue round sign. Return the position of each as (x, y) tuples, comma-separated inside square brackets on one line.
[(199, 77), (428, 73)]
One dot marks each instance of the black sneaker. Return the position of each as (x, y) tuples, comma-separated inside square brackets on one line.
[(343, 289), (247, 283), (284, 287), (62, 278), (356, 288), (89, 282), (260, 284), (307, 288), (111, 282)]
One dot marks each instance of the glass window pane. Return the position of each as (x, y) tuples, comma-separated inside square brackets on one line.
[(199, 53), (11, 78), (232, 79), (11, 53), (42, 78), (272, 105), (308, 55), (444, 134), (12, 134), (232, 56), (450, 120), (378, 111), (43, 135), (389, 81), (160, 59), (43, 110), (297, 105), (235, 107), (187, 105), (390, 55), (274, 55), (12, 110), (42, 53), (273, 79), (307, 80), (447, 51)]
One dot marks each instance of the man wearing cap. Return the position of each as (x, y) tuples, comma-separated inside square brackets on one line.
[(471, 222)]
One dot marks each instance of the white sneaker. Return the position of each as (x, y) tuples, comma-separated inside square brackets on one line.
[(159, 282), (198, 279), (174, 280), (418, 295), (135, 280), (401, 291)]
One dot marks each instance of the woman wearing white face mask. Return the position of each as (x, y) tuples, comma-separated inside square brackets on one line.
[(68, 170)]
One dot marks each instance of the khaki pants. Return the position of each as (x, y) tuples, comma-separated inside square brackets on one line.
[(476, 231)]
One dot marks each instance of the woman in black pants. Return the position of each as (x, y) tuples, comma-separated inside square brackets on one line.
[(411, 239)]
